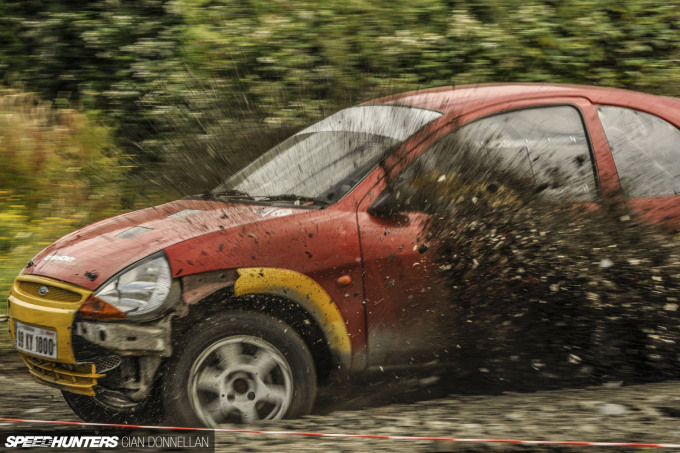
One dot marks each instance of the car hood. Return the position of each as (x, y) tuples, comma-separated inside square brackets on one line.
[(106, 247)]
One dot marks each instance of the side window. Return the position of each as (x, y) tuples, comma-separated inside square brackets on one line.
[(545, 148), (646, 151)]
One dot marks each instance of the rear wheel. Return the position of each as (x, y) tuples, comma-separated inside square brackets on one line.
[(240, 367)]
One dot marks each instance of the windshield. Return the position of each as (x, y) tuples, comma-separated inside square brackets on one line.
[(324, 161)]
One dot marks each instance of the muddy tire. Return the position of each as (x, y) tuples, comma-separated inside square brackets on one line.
[(95, 409), (239, 367)]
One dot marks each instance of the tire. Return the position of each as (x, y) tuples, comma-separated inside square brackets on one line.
[(239, 367), (97, 409)]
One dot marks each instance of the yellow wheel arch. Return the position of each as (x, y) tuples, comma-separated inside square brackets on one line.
[(308, 294)]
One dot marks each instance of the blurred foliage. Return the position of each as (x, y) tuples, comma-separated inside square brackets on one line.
[(192, 77), (193, 89), (59, 172)]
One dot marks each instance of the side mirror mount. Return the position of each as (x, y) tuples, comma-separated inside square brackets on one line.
[(388, 207)]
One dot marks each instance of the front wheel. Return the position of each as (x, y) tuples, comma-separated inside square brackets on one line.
[(239, 367)]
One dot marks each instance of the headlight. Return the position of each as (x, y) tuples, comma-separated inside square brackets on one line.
[(134, 292)]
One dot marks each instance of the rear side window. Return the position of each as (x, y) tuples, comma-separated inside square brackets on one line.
[(646, 151), (546, 146)]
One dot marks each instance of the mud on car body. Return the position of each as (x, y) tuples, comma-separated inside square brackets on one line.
[(236, 304)]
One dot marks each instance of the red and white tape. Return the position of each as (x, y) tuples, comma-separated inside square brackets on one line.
[(356, 436)]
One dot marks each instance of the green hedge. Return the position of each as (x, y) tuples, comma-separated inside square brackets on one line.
[(181, 77), (298, 59)]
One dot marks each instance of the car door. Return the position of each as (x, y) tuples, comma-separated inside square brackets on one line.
[(407, 304), (404, 302)]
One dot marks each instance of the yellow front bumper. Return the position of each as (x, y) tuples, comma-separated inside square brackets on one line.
[(73, 378), (55, 309)]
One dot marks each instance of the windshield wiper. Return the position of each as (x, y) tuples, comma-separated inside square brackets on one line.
[(231, 193), (299, 199)]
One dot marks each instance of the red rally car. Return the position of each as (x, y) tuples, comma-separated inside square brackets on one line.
[(236, 304)]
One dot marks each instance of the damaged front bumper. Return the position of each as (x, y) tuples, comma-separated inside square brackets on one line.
[(83, 356), (127, 338), (72, 378), (39, 306)]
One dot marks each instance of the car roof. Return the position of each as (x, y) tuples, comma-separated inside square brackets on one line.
[(454, 98)]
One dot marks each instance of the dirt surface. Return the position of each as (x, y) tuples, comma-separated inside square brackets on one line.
[(465, 408)]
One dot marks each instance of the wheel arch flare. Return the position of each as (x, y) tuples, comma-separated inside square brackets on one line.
[(307, 293)]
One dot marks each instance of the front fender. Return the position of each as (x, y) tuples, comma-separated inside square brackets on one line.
[(309, 295)]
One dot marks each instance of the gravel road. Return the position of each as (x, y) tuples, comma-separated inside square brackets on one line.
[(420, 407)]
